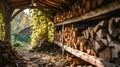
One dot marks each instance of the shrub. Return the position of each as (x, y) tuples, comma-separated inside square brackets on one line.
[(17, 44)]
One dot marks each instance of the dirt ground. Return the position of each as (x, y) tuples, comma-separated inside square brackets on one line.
[(45, 58), (51, 58)]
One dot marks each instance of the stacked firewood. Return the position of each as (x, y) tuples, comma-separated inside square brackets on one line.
[(104, 38), (69, 36), (7, 53), (77, 9)]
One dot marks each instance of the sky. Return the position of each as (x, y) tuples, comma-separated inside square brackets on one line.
[(26, 11)]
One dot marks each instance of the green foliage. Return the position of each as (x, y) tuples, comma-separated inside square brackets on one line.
[(2, 33), (17, 44), (41, 24)]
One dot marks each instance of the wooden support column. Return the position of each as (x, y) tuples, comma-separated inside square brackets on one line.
[(6, 15), (63, 40)]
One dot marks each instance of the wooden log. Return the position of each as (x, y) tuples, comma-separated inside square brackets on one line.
[(78, 43), (91, 52), (87, 5), (106, 54), (93, 4), (89, 29), (84, 33), (117, 20), (96, 45), (83, 45), (115, 49), (109, 39), (92, 34), (102, 45), (100, 25), (87, 34), (113, 28), (83, 3), (79, 10), (83, 10), (101, 33), (104, 41), (99, 2)]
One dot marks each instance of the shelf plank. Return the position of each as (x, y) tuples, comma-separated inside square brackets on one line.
[(91, 59), (94, 14)]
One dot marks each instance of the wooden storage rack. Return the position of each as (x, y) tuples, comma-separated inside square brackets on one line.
[(100, 13), (89, 58)]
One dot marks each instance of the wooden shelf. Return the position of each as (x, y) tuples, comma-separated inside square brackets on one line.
[(95, 14), (89, 58)]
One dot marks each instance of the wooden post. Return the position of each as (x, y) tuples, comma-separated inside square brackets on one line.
[(7, 28), (62, 40), (7, 15)]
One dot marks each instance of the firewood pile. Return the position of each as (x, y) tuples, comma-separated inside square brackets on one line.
[(8, 54), (77, 9), (71, 38), (102, 40)]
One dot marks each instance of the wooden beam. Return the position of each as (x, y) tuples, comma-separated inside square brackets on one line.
[(61, 1), (50, 5), (62, 4), (20, 4), (53, 3), (44, 6), (89, 58), (14, 0)]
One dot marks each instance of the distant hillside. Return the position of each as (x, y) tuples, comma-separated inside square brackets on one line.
[(20, 22)]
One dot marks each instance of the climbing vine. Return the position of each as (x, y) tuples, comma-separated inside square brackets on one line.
[(42, 27), (2, 33)]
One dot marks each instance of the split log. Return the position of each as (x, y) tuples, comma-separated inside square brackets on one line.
[(99, 2), (93, 4), (92, 34), (83, 45), (100, 25), (87, 34), (117, 20), (115, 49), (113, 28), (106, 54), (109, 39), (87, 5), (104, 41), (101, 33), (91, 52)]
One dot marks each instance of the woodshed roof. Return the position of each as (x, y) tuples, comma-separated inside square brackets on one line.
[(43, 5)]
